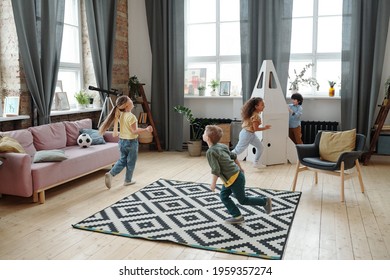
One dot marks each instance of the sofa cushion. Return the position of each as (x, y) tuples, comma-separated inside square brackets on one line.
[(333, 144), (49, 136), (73, 130), (10, 145), (49, 156), (95, 135), (24, 137)]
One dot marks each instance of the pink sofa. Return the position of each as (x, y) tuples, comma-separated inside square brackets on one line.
[(21, 177)]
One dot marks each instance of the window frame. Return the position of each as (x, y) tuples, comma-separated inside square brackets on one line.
[(314, 56)]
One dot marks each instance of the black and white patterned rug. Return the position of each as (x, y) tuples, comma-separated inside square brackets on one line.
[(190, 214)]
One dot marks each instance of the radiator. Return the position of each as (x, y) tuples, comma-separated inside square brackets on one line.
[(208, 121), (310, 129)]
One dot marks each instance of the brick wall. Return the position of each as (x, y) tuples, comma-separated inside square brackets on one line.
[(12, 74)]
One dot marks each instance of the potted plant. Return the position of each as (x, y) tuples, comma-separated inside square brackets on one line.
[(331, 88), (133, 84), (82, 99), (301, 79), (201, 89), (214, 84), (195, 143)]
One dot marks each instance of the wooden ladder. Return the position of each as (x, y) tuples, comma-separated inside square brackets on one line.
[(380, 120), (146, 109)]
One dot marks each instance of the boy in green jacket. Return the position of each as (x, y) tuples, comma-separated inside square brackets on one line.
[(224, 164)]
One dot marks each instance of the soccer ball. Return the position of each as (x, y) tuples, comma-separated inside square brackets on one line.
[(84, 140)]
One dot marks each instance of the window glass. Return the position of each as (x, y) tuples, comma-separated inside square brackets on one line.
[(212, 44), (230, 38), (201, 40), (200, 11), (299, 43), (70, 70), (329, 34), (316, 39)]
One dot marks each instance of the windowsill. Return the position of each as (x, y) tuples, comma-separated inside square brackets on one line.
[(14, 118), (74, 111), (212, 97), (318, 97)]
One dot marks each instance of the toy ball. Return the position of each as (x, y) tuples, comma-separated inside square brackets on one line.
[(84, 140)]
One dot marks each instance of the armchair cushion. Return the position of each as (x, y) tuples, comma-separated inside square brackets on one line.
[(333, 144)]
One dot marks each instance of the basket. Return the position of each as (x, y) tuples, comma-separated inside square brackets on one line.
[(145, 137)]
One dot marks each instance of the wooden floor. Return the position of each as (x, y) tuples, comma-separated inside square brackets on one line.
[(323, 228)]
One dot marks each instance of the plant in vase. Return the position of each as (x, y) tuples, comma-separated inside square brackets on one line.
[(133, 84), (301, 79), (214, 84), (82, 99), (331, 88), (201, 89), (195, 143)]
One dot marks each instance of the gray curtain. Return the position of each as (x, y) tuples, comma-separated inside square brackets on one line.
[(166, 31), (101, 21), (365, 25), (265, 35), (39, 26)]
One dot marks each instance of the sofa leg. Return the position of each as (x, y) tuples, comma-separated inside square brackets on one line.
[(35, 197), (41, 197)]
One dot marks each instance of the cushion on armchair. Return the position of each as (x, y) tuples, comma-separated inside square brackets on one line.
[(333, 144)]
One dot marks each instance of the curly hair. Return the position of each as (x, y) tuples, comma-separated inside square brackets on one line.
[(297, 96), (249, 107)]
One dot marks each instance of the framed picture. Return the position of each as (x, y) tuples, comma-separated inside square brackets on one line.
[(61, 102), (194, 78), (224, 88), (11, 106)]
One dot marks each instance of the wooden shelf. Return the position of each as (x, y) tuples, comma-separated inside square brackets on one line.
[(377, 129), (145, 106)]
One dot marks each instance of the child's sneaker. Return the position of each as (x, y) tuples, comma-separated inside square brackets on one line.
[(235, 220), (132, 182), (107, 180), (268, 206)]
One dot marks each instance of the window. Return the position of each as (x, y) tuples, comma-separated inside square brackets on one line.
[(212, 44), (70, 70), (316, 38)]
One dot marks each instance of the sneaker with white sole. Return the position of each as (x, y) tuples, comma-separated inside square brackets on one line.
[(235, 220), (132, 182), (107, 180), (268, 206)]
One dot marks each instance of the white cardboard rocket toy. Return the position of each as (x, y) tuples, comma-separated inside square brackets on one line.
[(278, 147)]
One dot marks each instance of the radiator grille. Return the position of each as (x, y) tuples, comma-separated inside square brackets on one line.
[(310, 129)]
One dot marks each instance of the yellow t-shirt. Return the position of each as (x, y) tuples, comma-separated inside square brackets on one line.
[(248, 124), (125, 121)]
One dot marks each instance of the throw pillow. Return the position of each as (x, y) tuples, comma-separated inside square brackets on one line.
[(333, 144), (73, 130), (10, 145), (49, 155), (95, 135)]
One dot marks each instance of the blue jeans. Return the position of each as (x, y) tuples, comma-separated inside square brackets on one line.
[(246, 138), (238, 189), (128, 158)]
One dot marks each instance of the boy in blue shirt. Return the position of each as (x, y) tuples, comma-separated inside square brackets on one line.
[(224, 165), (295, 109)]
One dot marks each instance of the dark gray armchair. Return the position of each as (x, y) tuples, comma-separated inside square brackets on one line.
[(309, 159)]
